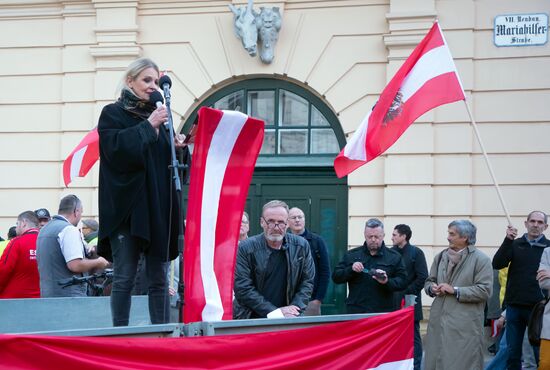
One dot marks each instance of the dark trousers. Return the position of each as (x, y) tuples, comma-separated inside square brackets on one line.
[(126, 252), (517, 318), (417, 345)]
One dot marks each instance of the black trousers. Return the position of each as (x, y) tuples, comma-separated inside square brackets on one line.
[(126, 253), (417, 345)]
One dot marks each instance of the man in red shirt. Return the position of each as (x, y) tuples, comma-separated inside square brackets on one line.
[(18, 268)]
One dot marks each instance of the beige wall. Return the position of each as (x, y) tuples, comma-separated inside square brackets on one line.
[(61, 61)]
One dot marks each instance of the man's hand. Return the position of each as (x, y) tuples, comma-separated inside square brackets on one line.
[(290, 311), (357, 267), (543, 274), (103, 263), (445, 288), (511, 232), (380, 276), (442, 289), (500, 322)]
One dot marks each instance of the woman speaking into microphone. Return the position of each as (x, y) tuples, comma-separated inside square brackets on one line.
[(138, 208)]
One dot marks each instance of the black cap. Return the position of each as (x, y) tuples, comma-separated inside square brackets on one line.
[(12, 233), (42, 213)]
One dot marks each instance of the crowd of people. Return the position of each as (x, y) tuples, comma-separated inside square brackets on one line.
[(281, 275)]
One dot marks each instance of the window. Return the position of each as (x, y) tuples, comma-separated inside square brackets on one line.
[(298, 123), (293, 126)]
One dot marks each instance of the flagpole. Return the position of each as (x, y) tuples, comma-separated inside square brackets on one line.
[(497, 187)]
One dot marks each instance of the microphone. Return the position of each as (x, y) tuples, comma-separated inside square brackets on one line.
[(166, 83), (156, 98)]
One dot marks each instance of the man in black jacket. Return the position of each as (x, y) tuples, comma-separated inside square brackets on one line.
[(373, 272), (522, 290), (417, 272), (319, 252), (274, 271)]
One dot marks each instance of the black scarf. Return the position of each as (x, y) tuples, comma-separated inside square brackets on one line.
[(133, 104)]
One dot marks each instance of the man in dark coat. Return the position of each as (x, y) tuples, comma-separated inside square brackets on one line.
[(523, 254), (274, 270), (319, 252), (417, 272), (373, 272)]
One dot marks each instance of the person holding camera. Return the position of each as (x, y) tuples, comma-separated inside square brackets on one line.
[(373, 273)]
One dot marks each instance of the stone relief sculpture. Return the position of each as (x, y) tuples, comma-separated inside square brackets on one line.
[(251, 27), (244, 22), (269, 23)]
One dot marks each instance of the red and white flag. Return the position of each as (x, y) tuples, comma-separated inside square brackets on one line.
[(383, 342), (227, 145), (82, 158), (426, 80)]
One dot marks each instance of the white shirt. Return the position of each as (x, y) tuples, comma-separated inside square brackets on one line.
[(71, 243)]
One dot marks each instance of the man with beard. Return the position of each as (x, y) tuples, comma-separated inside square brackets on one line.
[(274, 270), (373, 273)]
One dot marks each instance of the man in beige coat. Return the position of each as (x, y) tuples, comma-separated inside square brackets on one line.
[(461, 280)]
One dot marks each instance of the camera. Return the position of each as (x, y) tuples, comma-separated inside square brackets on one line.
[(373, 272)]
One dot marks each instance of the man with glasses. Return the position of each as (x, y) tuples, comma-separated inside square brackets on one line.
[(245, 227), (319, 253), (373, 273), (274, 270), (60, 252)]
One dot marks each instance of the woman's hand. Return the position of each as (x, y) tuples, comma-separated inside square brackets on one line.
[(158, 117), (179, 141)]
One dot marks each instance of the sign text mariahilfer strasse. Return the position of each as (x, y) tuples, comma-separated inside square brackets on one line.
[(521, 29)]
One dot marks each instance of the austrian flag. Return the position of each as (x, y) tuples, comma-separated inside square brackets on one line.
[(82, 158), (426, 80), (226, 147)]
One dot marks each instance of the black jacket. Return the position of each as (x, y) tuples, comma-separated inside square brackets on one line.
[(417, 273), (252, 257), (319, 252), (135, 185), (366, 295), (522, 287)]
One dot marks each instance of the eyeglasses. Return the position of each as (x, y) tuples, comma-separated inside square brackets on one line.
[(272, 224), (296, 218)]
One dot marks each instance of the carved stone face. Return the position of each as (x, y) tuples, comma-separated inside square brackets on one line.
[(267, 17)]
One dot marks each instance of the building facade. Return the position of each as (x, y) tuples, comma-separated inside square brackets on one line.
[(62, 61)]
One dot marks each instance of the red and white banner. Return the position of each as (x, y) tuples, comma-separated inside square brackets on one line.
[(383, 342), (82, 158), (426, 80), (226, 147)]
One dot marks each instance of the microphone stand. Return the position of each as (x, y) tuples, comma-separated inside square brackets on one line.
[(176, 167)]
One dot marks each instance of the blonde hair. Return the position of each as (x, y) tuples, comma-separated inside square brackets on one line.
[(133, 70)]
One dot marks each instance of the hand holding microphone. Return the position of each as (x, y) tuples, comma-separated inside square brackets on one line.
[(159, 115)]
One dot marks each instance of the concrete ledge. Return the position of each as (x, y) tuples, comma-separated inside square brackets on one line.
[(34, 315)]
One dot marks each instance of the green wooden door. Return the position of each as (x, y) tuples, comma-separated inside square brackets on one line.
[(322, 197), (302, 137)]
